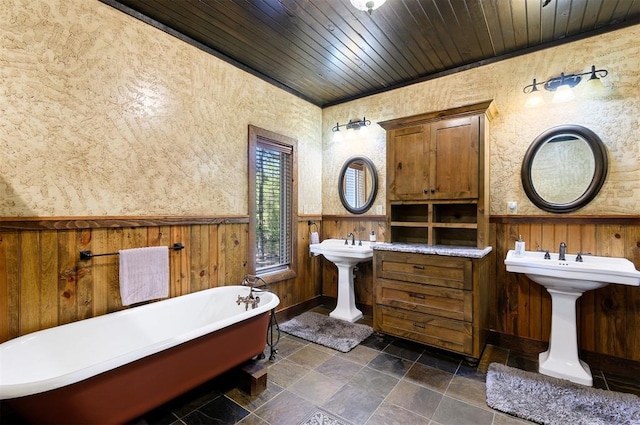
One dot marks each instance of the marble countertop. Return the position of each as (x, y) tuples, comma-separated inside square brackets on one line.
[(451, 251)]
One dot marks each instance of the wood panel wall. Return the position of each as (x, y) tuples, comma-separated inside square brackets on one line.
[(608, 318), (44, 283)]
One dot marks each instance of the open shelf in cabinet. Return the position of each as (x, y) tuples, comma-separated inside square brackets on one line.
[(410, 213), (454, 236), (406, 234), (455, 213), (434, 223)]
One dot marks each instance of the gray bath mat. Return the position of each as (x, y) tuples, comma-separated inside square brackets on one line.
[(322, 418), (548, 400), (327, 331)]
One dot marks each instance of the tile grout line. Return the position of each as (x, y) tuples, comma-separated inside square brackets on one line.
[(396, 385)]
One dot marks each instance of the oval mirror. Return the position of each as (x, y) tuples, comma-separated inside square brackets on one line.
[(358, 184), (564, 168)]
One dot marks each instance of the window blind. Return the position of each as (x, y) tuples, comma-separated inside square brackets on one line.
[(274, 163)]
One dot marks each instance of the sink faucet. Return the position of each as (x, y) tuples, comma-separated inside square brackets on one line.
[(353, 238), (562, 251)]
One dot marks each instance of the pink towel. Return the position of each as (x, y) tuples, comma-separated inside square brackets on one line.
[(144, 274)]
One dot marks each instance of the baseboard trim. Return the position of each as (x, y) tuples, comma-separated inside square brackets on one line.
[(597, 361), (324, 300), (295, 310)]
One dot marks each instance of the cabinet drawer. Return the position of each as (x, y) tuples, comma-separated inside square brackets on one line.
[(440, 332), (437, 270), (437, 300)]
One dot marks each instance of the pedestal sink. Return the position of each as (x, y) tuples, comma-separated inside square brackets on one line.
[(345, 257), (566, 280)]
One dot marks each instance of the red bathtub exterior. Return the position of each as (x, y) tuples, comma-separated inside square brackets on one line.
[(124, 393)]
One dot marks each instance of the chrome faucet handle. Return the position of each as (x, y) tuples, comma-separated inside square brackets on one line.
[(346, 241), (546, 255), (579, 257), (360, 242)]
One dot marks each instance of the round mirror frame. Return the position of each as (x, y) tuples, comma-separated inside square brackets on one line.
[(374, 185), (600, 173)]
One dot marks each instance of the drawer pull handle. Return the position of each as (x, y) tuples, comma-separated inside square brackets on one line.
[(419, 325), (417, 267), (414, 295)]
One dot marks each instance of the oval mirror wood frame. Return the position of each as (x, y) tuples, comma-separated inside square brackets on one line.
[(374, 185)]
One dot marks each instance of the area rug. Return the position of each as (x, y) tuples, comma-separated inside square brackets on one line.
[(324, 330), (548, 400), (322, 418)]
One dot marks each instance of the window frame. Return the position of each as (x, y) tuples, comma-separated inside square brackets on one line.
[(258, 136)]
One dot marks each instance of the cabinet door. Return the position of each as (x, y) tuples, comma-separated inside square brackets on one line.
[(408, 163), (454, 158)]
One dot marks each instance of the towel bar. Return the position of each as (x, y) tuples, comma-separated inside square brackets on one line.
[(87, 255)]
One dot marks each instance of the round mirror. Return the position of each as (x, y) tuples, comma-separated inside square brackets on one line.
[(564, 168), (358, 184)]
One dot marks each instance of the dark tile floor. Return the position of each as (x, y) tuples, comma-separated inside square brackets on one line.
[(382, 381)]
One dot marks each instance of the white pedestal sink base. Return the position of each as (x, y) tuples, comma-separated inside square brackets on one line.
[(346, 308), (566, 279), (561, 359)]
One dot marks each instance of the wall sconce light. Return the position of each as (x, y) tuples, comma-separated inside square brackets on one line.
[(351, 125), (562, 86)]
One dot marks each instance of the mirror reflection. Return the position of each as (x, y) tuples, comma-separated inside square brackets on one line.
[(564, 168), (567, 159), (357, 185)]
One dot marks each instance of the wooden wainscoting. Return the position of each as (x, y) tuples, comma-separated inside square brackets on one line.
[(608, 318), (44, 283), (338, 227)]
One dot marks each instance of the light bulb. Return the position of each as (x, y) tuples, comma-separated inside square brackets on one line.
[(563, 94), (594, 88), (534, 99)]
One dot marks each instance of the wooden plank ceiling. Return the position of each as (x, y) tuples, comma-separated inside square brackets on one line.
[(328, 52)]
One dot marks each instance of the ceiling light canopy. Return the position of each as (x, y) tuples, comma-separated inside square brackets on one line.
[(367, 5)]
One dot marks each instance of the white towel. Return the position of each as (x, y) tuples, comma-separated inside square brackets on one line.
[(144, 274)]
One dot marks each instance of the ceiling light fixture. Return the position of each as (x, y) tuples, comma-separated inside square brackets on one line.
[(367, 5), (561, 85), (351, 125)]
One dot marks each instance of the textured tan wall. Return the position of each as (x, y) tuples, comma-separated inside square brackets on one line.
[(614, 117), (101, 114)]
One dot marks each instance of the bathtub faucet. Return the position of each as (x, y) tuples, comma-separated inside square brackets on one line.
[(248, 301), (251, 300)]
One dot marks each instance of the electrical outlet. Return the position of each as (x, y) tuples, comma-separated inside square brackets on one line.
[(379, 210)]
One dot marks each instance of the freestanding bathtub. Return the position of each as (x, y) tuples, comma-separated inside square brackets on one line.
[(113, 368)]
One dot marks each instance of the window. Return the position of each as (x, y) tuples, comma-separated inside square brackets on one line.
[(272, 205)]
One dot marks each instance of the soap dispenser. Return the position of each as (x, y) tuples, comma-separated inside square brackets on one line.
[(520, 247)]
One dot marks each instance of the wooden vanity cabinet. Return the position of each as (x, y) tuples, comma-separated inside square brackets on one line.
[(433, 299), (437, 194)]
